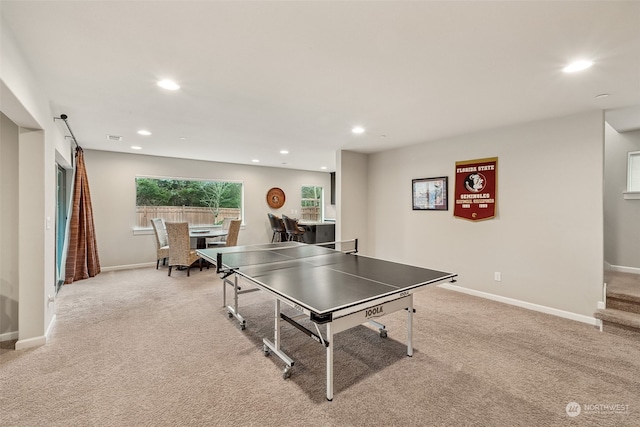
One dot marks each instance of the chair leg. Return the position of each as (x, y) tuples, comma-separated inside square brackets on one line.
[(200, 264), (188, 271), (157, 263), (170, 270)]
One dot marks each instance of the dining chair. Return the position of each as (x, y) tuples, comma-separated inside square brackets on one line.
[(180, 252), (162, 242), (294, 231), (234, 231), (220, 241), (277, 226)]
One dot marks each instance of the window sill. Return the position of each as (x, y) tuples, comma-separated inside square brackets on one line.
[(631, 195), (139, 231), (143, 231)]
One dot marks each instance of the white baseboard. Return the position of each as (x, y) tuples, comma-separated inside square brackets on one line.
[(127, 267), (51, 325), (530, 306), (8, 336), (623, 269), (31, 342)]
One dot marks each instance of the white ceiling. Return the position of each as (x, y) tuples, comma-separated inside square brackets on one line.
[(258, 77)]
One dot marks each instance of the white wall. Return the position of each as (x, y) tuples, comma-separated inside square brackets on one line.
[(113, 195), (352, 193), (547, 238), (621, 217), (8, 230), (24, 103)]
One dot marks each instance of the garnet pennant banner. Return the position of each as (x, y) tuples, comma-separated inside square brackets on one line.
[(475, 191)]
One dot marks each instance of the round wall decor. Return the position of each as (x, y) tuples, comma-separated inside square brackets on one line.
[(275, 198)]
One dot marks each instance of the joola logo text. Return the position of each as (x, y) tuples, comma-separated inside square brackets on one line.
[(374, 312)]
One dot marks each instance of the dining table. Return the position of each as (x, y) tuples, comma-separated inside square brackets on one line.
[(203, 235)]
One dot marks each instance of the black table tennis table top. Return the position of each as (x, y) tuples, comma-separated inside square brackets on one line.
[(321, 279)]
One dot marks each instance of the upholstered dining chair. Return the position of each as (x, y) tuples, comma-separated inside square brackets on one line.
[(294, 231), (277, 226), (180, 252), (162, 242)]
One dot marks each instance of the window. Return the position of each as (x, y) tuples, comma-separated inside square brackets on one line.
[(311, 204), (198, 202), (633, 172)]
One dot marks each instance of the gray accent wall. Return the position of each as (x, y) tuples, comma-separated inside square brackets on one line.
[(113, 193), (547, 238), (621, 217)]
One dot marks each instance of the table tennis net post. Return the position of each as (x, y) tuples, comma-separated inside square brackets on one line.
[(229, 261)]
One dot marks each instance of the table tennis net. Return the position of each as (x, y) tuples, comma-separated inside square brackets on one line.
[(281, 253)]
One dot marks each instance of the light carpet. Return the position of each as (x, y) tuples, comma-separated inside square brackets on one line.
[(139, 348)]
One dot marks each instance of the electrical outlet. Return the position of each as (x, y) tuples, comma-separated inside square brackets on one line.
[(497, 276)]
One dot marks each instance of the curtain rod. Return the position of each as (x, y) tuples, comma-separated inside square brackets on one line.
[(63, 117)]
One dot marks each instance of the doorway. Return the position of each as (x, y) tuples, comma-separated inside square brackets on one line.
[(62, 207)]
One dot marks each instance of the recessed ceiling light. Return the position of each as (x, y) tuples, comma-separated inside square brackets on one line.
[(182, 138), (357, 130), (255, 161), (577, 66), (602, 95), (144, 132), (168, 84), (323, 167), (284, 152), (135, 147)]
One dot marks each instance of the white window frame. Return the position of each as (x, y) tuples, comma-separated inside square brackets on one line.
[(633, 176), (321, 219), (149, 230)]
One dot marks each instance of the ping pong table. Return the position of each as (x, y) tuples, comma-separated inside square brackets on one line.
[(334, 287)]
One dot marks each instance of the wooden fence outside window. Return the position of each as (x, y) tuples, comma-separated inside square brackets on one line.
[(191, 214), (203, 216), (310, 214)]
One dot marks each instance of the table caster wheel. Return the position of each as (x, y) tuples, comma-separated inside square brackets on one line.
[(383, 333), (243, 326), (287, 372), (266, 351), (229, 314)]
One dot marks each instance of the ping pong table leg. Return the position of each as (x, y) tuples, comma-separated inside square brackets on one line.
[(224, 292), (329, 362), (278, 326), (275, 345), (235, 295), (233, 311), (410, 327)]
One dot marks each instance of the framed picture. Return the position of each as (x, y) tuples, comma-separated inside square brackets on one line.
[(430, 194)]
